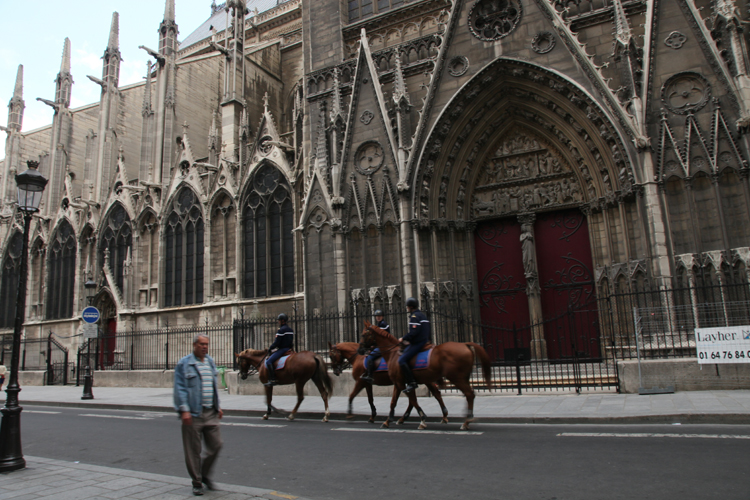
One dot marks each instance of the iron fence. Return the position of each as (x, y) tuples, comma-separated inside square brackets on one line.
[(577, 348)]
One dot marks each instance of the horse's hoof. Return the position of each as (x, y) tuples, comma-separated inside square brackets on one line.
[(371, 420), (400, 421), (422, 426), (465, 426), (290, 417), (265, 417), (385, 425), (325, 419), (444, 421)]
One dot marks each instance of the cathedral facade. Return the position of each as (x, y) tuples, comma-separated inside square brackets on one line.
[(514, 157)]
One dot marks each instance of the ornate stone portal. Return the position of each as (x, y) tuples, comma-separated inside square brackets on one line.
[(524, 175)]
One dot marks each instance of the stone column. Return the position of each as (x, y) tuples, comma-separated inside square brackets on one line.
[(533, 291)]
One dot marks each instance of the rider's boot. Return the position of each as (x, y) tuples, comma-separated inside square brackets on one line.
[(367, 376), (271, 376), (411, 383)]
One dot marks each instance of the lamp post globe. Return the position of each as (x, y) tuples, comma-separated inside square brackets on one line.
[(31, 186)]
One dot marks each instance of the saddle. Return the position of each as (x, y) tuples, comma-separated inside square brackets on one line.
[(419, 362), (281, 362)]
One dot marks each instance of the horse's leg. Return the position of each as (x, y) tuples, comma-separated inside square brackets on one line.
[(300, 396), (357, 388), (324, 394), (413, 402), (373, 412), (465, 387), (407, 413), (269, 408), (394, 400), (436, 394)]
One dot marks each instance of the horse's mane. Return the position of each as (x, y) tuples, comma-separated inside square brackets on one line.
[(253, 352), (382, 333)]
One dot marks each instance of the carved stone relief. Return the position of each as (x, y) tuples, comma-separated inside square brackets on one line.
[(685, 93), (543, 42), (366, 117), (675, 40), (524, 175), (491, 20), (369, 158), (458, 66)]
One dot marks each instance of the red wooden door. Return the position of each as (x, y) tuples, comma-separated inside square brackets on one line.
[(502, 287), (108, 344), (567, 281)]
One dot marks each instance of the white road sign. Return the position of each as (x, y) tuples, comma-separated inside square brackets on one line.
[(730, 344), (90, 330)]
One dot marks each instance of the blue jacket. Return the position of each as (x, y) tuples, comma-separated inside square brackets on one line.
[(419, 328), (284, 338), (188, 385), (384, 326)]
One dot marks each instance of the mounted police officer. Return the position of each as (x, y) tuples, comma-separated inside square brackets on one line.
[(417, 336), (282, 344), (371, 362)]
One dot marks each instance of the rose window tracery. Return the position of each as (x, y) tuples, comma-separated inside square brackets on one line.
[(491, 20)]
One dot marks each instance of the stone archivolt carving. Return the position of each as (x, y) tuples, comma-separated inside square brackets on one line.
[(491, 20), (524, 175), (685, 93)]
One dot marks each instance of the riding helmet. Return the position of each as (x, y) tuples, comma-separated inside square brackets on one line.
[(412, 302), (379, 313), (282, 317)]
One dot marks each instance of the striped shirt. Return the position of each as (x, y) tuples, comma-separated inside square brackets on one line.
[(207, 382)]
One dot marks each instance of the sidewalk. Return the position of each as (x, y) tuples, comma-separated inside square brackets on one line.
[(47, 479), (718, 407)]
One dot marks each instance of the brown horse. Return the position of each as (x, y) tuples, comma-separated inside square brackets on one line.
[(299, 368), (451, 360), (346, 352)]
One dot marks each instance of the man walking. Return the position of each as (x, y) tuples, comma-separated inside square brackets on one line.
[(196, 399)]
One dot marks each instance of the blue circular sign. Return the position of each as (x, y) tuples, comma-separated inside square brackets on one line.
[(90, 314)]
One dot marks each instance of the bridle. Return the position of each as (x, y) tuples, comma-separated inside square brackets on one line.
[(342, 364), (251, 369)]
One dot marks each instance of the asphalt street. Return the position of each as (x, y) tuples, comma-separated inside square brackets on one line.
[(343, 460)]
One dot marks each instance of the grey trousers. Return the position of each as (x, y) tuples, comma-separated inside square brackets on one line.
[(207, 427)]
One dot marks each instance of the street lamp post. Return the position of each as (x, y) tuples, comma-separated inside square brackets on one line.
[(30, 188), (88, 382)]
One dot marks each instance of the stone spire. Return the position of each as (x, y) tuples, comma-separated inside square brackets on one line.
[(400, 94), (64, 80), (17, 104), (112, 56), (321, 146), (622, 27), (147, 108), (12, 144), (337, 112), (233, 101), (147, 129)]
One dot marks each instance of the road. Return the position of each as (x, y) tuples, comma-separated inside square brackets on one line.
[(355, 460)]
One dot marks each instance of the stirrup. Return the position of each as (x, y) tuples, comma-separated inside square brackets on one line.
[(366, 377), (410, 387), (271, 382)]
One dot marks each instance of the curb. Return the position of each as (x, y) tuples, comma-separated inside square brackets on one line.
[(681, 418)]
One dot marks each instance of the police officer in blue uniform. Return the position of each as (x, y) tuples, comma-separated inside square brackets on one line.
[(372, 361), (282, 344), (416, 338)]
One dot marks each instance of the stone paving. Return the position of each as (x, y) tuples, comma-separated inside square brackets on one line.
[(47, 479)]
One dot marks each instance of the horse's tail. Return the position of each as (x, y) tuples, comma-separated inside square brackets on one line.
[(321, 375), (484, 360)]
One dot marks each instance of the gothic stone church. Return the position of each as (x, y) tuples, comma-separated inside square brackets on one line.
[(511, 156)]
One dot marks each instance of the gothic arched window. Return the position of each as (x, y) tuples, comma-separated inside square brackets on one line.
[(61, 273), (268, 221), (183, 245), (115, 242), (11, 271)]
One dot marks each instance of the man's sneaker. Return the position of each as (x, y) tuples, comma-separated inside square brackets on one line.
[(198, 491), (366, 378), (209, 484), (409, 388)]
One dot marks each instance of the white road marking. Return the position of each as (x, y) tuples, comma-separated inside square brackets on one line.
[(40, 411), (407, 431), (250, 425), (652, 435), (112, 416)]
